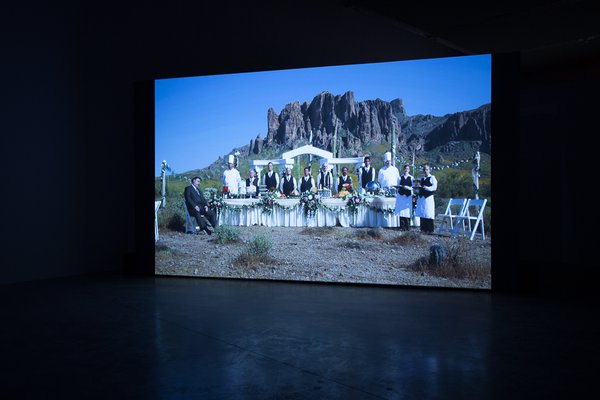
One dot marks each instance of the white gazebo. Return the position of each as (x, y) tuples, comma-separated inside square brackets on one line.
[(287, 158)]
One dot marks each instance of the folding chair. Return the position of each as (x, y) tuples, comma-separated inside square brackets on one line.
[(457, 205), (156, 207), (190, 223), (473, 221)]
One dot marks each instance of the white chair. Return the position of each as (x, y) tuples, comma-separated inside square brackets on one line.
[(470, 221), (156, 207), (455, 208)]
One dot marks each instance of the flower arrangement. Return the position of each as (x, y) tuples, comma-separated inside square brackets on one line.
[(354, 202), (216, 203), (267, 204), (273, 194), (310, 203)]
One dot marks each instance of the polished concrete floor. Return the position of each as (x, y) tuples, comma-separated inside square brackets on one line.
[(183, 338)]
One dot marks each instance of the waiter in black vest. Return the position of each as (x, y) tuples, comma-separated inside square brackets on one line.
[(288, 183), (367, 173), (197, 206), (307, 182), (271, 178), (325, 177), (345, 181)]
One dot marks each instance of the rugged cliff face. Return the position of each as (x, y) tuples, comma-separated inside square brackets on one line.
[(471, 125), (358, 124)]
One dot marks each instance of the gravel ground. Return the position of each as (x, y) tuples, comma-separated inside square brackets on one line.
[(360, 255)]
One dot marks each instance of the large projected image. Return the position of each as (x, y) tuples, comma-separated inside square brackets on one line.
[(373, 173)]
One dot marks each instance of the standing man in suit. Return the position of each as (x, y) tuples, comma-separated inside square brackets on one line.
[(197, 206)]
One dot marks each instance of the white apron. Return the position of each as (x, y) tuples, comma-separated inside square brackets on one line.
[(425, 207), (403, 206)]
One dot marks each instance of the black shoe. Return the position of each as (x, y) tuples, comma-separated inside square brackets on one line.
[(208, 231)]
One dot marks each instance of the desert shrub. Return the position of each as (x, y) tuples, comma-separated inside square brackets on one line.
[(176, 223), (227, 234), (257, 252), (261, 245), (458, 263), (171, 217), (454, 183)]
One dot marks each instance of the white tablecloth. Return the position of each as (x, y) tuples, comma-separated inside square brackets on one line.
[(335, 214)]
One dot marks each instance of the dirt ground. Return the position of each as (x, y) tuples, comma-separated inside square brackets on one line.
[(356, 255)]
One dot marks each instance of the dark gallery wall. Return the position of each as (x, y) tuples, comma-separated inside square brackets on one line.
[(558, 156), (67, 146), (72, 160), (43, 105)]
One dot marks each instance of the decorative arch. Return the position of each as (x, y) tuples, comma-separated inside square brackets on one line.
[(287, 158)]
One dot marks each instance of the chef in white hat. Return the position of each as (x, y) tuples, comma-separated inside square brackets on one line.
[(231, 177), (389, 175)]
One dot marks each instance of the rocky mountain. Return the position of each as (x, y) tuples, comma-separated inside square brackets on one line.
[(359, 124), (473, 125)]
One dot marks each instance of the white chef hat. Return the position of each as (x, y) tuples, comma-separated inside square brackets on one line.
[(387, 156), (231, 159)]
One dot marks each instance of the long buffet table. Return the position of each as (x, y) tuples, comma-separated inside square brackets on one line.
[(245, 212)]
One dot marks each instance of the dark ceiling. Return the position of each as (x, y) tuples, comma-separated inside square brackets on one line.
[(540, 30), (182, 37)]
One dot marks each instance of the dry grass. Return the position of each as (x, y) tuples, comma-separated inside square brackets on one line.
[(351, 245), (459, 263), (163, 252), (376, 234), (318, 231), (252, 260), (407, 239)]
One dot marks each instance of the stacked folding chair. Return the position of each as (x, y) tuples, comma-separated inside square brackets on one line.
[(469, 222), (455, 208)]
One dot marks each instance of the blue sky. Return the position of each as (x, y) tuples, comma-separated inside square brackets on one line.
[(197, 119)]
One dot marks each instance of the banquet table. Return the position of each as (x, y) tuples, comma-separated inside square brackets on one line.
[(289, 212)]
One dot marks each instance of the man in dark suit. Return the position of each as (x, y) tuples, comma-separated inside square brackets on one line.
[(197, 206)]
